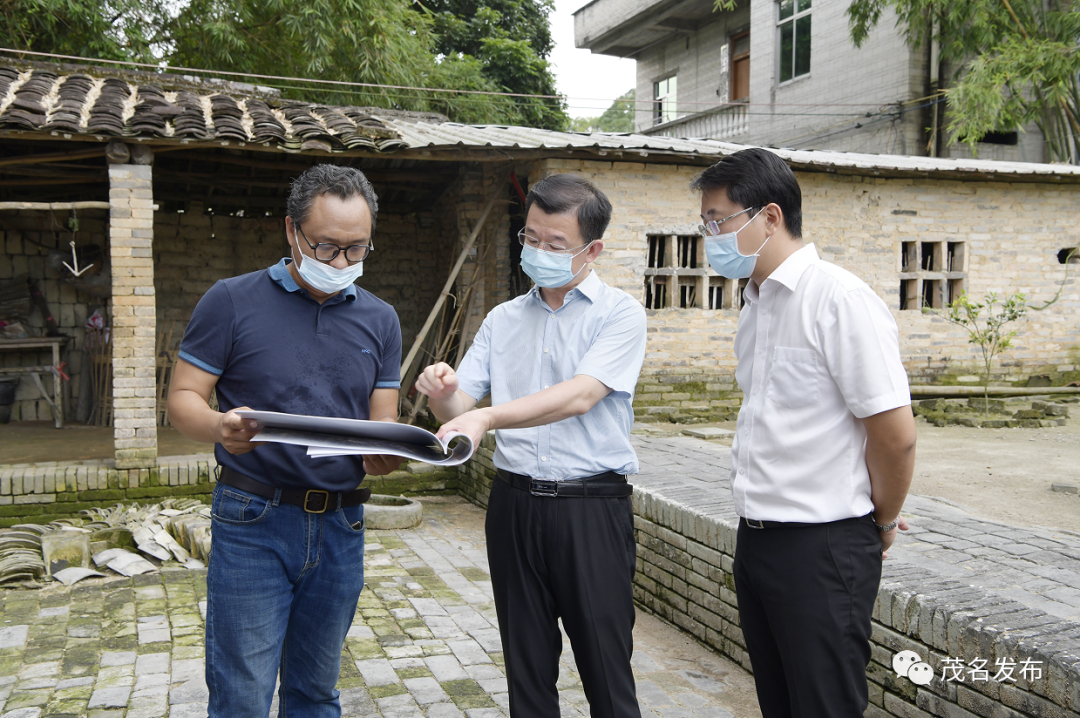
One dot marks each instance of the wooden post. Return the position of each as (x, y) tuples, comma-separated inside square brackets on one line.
[(450, 280)]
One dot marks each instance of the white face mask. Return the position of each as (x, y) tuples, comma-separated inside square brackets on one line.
[(323, 277)]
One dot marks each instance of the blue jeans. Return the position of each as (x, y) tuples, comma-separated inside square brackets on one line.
[(281, 593)]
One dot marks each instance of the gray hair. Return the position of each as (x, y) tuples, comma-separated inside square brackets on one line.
[(344, 182)]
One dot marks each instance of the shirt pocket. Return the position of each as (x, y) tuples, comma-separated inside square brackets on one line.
[(794, 380)]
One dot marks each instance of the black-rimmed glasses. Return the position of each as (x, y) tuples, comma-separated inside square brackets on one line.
[(327, 252)]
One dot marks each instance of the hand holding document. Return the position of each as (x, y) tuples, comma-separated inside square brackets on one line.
[(331, 436)]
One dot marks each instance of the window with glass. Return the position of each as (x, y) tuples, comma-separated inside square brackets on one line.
[(664, 100), (794, 25)]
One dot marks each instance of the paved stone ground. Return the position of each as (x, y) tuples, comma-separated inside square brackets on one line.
[(1037, 567), (424, 642)]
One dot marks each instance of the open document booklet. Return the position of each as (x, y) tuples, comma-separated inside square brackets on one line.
[(328, 436)]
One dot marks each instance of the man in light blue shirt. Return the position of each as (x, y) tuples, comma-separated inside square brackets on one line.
[(561, 364)]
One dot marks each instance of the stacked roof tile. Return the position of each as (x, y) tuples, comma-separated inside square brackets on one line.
[(39, 99)]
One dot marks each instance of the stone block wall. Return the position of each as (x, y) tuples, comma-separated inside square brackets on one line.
[(1011, 233), (28, 238)]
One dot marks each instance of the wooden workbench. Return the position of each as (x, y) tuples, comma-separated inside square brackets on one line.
[(35, 371)]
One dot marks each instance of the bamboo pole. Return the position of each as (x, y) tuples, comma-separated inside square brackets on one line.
[(50, 206), (52, 157), (450, 280)]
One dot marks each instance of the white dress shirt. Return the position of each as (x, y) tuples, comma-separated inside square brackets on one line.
[(524, 346), (818, 351)]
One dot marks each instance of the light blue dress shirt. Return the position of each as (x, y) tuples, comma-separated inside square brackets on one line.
[(524, 346)]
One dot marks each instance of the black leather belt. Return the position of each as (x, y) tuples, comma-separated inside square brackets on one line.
[(606, 485), (314, 501), (755, 524)]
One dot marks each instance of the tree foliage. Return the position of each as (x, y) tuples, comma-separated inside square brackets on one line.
[(111, 30), (512, 40), (386, 42), (985, 324), (1018, 60), (617, 118)]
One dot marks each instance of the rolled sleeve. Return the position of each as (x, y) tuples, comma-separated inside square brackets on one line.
[(474, 374), (208, 339), (616, 355), (864, 358)]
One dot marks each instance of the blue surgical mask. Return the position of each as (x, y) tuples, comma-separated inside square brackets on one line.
[(323, 277), (724, 256), (549, 269)]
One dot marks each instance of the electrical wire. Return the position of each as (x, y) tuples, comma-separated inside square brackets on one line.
[(344, 83)]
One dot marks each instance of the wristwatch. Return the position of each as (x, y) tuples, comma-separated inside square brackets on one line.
[(889, 526)]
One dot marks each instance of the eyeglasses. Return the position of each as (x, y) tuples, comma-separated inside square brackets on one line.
[(529, 241), (711, 229), (327, 252)]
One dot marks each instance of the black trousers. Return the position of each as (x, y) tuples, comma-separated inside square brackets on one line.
[(805, 599), (569, 558)]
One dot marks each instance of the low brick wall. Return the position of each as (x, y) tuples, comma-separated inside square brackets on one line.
[(684, 575), (686, 395), (41, 492)]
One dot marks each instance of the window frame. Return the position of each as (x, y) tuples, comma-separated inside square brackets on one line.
[(793, 21), (668, 104)]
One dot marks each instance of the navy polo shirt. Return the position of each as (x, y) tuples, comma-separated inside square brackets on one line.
[(274, 348)]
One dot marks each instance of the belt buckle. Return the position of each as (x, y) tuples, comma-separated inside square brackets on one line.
[(750, 523), (544, 487), (325, 504)]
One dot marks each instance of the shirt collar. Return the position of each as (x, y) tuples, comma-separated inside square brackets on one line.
[(280, 274), (589, 288), (791, 269)]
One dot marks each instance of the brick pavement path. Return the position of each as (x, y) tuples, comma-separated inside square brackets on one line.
[(424, 642), (1037, 567)]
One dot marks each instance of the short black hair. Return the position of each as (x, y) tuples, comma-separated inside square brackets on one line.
[(344, 182), (566, 193), (754, 178)]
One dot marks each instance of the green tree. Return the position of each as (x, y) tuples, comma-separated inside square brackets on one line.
[(385, 42), (113, 30), (1018, 62), (985, 324), (512, 41), (617, 118)]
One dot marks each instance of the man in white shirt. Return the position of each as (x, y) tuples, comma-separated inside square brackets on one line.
[(825, 444), (561, 363)]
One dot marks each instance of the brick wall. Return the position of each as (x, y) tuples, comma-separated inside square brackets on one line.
[(1012, 234), (194, 249), (684, 574), (28, 237), (44, 491), (134, 330)]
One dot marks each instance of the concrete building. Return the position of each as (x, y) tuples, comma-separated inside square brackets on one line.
[(783, 74)]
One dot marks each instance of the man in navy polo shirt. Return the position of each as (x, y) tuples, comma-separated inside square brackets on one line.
[(288, 561)]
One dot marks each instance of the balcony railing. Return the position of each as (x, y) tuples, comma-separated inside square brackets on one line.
[(720, 123)]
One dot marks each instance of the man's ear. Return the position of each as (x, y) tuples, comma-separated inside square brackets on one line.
[(594, 250), (774, 219)]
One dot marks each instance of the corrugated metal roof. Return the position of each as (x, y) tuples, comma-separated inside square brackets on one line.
[(449, 135)]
